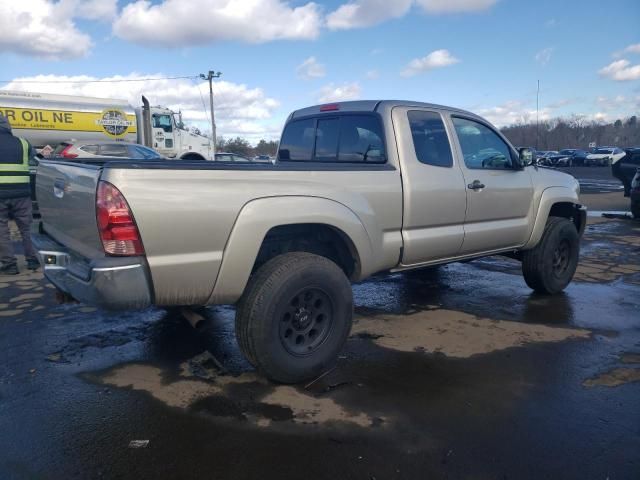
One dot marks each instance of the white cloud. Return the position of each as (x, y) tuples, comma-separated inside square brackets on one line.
[(372, 74), (337, 93), (455, 6), (621, 70), (365, 13), (177, 23), (518, 112), (513, 112), (240, 110), (46, 29), (635, 48), (617, 100), (543, 56), (310, 68), (436, 59)]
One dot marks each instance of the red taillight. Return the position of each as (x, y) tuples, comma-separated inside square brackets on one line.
[(331, 107), (117, 227), (66, 152)]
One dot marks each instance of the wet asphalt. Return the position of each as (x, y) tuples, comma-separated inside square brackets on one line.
[(454, 372)]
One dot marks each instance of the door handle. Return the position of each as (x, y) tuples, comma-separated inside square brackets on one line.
[(476, 185)]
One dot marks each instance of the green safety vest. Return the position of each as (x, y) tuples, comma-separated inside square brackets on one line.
[(16, 173)]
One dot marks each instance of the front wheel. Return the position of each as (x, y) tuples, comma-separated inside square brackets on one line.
[(550, 266), (294, 316)]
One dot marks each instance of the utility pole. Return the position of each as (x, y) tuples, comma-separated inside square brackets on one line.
[(537, 109), (210, 76)]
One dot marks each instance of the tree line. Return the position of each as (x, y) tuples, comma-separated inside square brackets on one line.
[(555, 134), (574, 132), (242, 146)]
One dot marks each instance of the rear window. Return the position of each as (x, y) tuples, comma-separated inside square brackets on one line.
[(346, 138), (361, 139), (430, 139)]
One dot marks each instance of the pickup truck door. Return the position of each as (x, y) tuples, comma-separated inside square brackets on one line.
[(499, 196), (434, 195)]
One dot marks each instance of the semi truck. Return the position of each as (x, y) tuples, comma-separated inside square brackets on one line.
[(47, 119)]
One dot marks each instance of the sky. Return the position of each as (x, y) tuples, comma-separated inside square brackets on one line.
[(277, 56)]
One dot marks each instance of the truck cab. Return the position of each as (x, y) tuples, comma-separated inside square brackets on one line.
[(171, 140)]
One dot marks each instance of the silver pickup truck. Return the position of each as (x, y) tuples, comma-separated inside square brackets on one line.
[(358, 188)]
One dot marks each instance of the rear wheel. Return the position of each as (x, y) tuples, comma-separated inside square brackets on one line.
[(295, 316), (550, 266)]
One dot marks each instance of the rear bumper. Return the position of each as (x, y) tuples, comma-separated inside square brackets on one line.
[(115, 283)]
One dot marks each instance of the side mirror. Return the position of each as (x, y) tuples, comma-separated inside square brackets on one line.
[(526, 156)]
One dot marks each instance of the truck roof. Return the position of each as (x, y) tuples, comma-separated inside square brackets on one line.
[(370, 106)]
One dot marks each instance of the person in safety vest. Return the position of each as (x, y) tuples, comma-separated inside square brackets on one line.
[(15, 198)]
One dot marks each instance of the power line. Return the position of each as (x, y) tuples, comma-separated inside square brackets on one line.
[(102, 81), (204, 107)]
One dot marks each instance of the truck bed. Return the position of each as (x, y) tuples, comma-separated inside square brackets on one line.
[(187, 212)]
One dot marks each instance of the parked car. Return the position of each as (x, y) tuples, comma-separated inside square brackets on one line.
[(569, 157), (543, 159), (625, 170), (604, 156), (262, 159), (88, 149), (231, 157), (635, 195), (345, 200)]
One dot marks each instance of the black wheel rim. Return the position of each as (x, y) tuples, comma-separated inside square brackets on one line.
[(561, 258), (305, 321)]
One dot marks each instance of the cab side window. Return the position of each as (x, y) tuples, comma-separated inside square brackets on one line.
[(430, 139), (481, 146), (163, 122)]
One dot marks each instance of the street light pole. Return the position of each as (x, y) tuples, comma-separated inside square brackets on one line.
[(210, 76)]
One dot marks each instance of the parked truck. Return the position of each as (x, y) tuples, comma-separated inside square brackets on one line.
[(358, 188), (46, 119)]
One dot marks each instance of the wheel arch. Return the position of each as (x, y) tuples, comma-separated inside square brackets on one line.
[(192, 156), (268, 227), (559, 202)]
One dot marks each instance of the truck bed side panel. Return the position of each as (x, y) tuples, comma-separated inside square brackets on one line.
[(185, 216)]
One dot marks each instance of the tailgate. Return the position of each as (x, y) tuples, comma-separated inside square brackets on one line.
[(66, 196)]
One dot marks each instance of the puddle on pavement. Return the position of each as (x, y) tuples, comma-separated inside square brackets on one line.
[(455, 334), (304, 407)]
